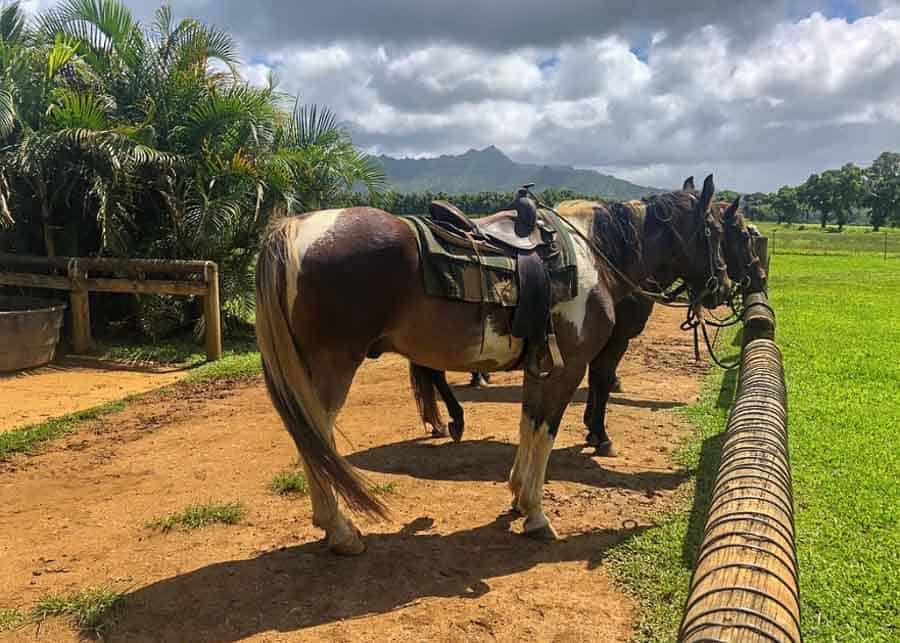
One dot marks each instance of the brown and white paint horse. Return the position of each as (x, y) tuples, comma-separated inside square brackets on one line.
[(336, 286)]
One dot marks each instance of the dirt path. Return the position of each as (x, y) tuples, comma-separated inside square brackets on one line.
[(70, 385), (446, 568)]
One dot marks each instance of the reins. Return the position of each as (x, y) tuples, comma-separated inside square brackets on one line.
[(694, 320), (664, 299)]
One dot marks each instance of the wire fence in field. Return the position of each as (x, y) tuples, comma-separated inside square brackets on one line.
[(794, 241)]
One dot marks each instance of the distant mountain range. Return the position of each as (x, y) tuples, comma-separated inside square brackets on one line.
[(490, 170)]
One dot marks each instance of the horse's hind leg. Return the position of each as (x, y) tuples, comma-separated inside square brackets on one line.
[(457, 422), (340, 533), (422, 382), (543, 404)]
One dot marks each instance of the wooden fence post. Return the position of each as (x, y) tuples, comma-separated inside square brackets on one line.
[(81, 310), (761, 248), (212, 314)]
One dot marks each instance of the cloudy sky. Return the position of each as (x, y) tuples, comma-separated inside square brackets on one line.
[(760, 92)]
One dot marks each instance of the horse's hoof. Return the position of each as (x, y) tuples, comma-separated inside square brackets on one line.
[(606, 449), (545, 533), (353, 546), (592, 440), (439, 431), (456, 430)]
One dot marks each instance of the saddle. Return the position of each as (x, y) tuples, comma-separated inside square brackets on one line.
[(519, 233)]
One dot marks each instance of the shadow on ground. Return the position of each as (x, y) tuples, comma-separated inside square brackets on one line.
[(305, 586), (707, 470), (490, 460), (506, 394)]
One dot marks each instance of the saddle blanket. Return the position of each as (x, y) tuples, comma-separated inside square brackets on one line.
[(455, 272)]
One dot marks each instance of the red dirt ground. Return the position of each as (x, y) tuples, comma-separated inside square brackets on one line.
[(446, 568), (73, 384)]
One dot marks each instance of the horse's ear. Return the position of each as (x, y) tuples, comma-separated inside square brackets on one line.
[(688, 185), (731, 212), (706, 196)]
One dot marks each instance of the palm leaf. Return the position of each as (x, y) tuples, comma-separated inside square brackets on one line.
[(7, 112), (12, 23)]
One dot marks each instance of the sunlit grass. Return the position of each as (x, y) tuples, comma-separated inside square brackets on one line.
[(839, 333), (89, 610), (201, 515)]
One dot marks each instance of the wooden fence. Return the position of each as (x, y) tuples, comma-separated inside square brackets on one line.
[(72, 274)]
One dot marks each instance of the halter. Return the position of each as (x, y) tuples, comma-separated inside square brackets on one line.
[(712, 284)]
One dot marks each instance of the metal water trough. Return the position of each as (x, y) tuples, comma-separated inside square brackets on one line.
[(29, 331)]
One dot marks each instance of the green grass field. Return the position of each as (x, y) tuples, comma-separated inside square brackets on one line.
[(810, 239), (840, 336)]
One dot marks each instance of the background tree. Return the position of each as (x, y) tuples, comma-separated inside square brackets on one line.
[(883, 190), (786, 204)]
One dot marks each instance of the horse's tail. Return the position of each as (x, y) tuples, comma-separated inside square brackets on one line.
[(422, 383), (288, 375)]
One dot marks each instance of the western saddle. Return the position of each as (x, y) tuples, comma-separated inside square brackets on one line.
[(517, 232)]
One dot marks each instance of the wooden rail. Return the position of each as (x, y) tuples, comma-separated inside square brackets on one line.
[(196, 278), (745, 587)]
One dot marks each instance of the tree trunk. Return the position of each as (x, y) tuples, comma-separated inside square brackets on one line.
[(48, 231)]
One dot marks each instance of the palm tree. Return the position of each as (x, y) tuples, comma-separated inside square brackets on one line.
[(146, 142)]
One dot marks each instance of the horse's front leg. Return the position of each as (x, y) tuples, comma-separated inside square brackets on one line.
[(602, 378), (543, 404)]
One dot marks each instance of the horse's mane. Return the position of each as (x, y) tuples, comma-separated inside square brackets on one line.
[(615, 229), (663, 207)]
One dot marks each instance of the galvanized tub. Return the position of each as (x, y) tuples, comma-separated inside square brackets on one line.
[(29, 331)]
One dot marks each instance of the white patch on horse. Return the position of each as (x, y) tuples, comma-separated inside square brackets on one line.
[(499, 350), (575, 310), (308, 230)]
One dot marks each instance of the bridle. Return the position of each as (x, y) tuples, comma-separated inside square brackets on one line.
[(714, 266), (694, 320), (670, 298)]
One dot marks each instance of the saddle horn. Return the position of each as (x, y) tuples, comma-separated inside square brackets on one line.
[(526, 208)]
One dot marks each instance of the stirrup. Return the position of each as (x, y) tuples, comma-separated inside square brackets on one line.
[(536, 354)]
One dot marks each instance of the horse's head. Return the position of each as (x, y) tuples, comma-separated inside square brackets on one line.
[(698, 236), (744, 267)]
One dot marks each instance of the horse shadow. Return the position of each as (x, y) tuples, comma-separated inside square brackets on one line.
[(512, 394), (295, 588), (489, 460)]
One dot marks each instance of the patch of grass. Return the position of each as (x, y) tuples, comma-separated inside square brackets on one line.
[(182, 350), (384, 488), (197, 516), (10, 619), (288, 482), (26, 438), (838, 332), (231, 366), (89, 610)]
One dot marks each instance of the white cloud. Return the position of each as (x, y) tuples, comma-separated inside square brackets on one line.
[(651, 91)]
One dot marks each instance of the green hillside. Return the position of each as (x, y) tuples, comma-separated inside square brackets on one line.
[(490, 170)]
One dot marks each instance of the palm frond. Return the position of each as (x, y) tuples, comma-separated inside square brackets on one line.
[(7, 112), (78, 111), (12, 23)]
